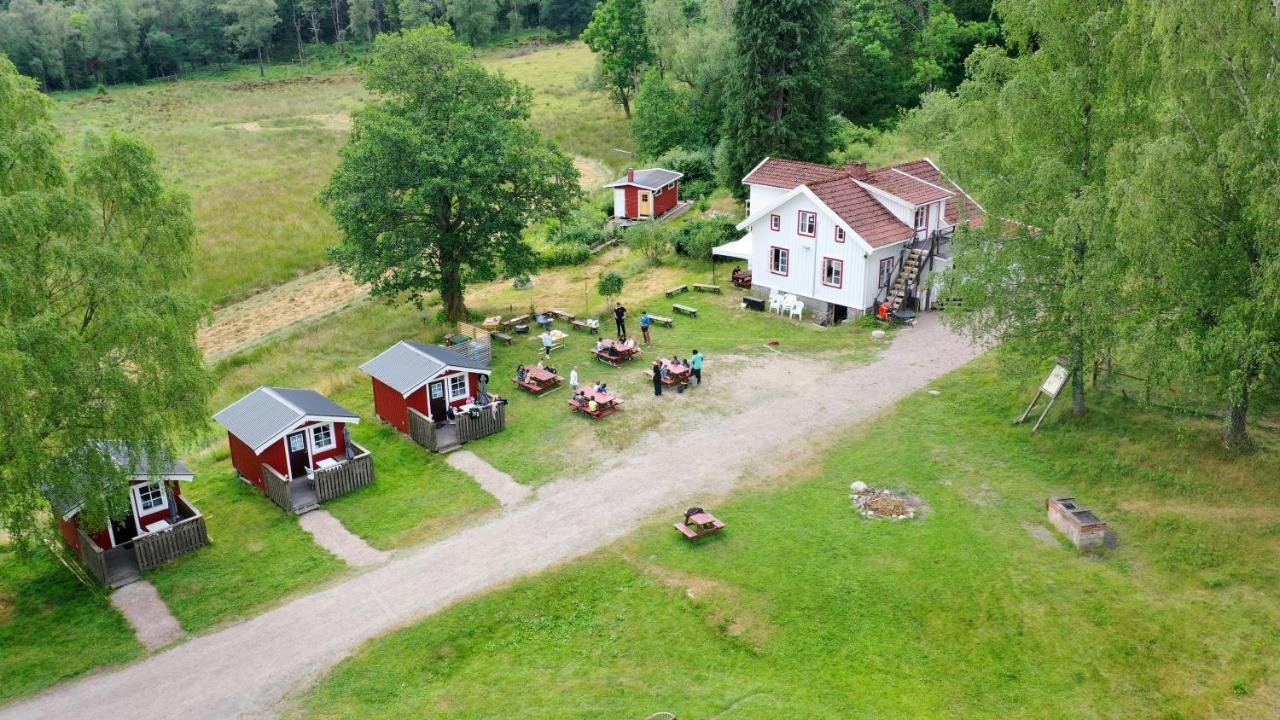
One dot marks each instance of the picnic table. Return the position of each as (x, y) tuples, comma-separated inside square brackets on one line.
[(616, 352), (662, 320), (742, 279), (493, 322), (538, 380), (685, 310), (677, 374), (606, 404), (590, 327), (677, 289), (512, 322), (699, 523), (703, 287)]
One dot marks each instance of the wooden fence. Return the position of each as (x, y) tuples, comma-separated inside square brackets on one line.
[(422, 430), (490, 420), (188, 534), (479, 347), (278, 487), (94, 558), (342, 479)]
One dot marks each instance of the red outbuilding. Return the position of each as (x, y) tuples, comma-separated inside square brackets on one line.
[(295, 446), (645, 194)]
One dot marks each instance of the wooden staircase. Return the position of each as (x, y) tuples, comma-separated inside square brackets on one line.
[(908, 276)]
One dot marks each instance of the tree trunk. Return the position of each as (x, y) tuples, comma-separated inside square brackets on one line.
[(1077, 379), (626, 104), (451, 294), (337, 32), (297, 31), (1234, 431), (262, 70)]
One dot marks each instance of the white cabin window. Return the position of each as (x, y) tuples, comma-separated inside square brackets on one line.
[(922, 217), (839, 234), (779, 261), (151, 498), (457, 387), (832, 272), (775, 222), (322, 437), (808, 223)]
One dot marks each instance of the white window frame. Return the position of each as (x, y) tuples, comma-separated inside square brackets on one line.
[(775, 222), (779, 260), (922, 217), (466, 387), (840, 236), (836, 267), (138, 502), (812, 218), (315, 439)]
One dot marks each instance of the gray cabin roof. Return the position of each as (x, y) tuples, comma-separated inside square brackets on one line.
[(649, 179), (68, 501), (408, 365), (266, 414)]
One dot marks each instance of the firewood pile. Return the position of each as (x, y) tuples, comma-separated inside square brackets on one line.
[(880, 503)]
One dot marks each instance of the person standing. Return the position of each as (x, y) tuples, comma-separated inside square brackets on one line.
[(657, 378), (620, 316), (547, 342), (645, 322), (695, 363), (573, 377)]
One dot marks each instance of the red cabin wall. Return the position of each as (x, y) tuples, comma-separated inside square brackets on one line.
[(245, 461), (276, 457), (633, 202), (68, 530), (418, 400), (664, 203), (390, 405)]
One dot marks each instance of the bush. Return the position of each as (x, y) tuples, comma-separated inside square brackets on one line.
[(649, 239), (699, 170), (610, 285), (564, 254), (697, 237)]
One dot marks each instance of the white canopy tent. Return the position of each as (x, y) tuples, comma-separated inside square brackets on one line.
[(740, 248)]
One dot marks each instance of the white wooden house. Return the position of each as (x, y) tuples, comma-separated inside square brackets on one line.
[(844, 239)]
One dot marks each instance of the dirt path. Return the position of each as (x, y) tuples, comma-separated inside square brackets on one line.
[(247, 670)]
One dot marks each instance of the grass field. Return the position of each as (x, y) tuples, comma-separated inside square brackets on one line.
[(254, 153), (802, 609)]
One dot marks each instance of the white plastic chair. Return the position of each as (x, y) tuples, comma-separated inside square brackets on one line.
[(775, 303), (796, 310)]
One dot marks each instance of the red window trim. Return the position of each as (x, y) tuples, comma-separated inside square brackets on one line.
[(775, 222), (839, 234), (837, 261), (802, 213), (785, 250)]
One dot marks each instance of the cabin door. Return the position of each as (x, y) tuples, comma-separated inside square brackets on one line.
[(299, 455), (438, 404), (646, 207)]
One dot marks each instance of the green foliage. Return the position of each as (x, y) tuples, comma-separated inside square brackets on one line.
[(567, 16), (699, 170), (778, 95), (618, 36), (696, 238), (472, 20), (441, 176), (610, 284), (649, 239), (661, 121), (251, 26), (693, 40), (96, 340), (564, 253)]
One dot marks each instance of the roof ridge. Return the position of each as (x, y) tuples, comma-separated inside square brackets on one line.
[(271, 390), (920, 179)]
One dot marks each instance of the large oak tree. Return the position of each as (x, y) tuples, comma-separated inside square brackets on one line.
[(97, 336)]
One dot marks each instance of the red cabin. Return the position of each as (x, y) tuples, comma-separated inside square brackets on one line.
[(295, 446), (159, 526), (432, 392), (645, 194)]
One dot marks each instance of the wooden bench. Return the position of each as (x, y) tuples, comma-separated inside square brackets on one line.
[(662, 320), (701, 287), (521, 320), (677, 289), (685, 310), (561, 314), (615, 360), (670, 379), (582, 325), (602, 411), (537, 389), (503, 337)]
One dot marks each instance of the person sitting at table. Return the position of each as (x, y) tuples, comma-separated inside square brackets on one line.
[(522, 374), (593, 406), (550, 369), (579, 398), (664, 371), (685, 363)]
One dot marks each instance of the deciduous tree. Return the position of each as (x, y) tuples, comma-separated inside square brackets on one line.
[(441, 174), (252, 22), (618, 35), (661, 120)]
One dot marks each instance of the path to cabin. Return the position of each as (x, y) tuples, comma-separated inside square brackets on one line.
[(495, 482), (249, 669)]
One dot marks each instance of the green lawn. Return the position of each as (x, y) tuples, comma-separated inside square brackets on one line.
[(802, 609), (52, 627)]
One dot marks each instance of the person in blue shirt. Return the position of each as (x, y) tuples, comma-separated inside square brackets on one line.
[(645, 322), (695, 361)]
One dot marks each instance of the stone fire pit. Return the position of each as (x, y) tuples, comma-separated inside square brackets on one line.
[(883, 502)]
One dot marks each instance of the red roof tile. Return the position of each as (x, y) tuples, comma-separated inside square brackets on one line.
[(908, 187), (873, 223), (926, 171), (788, 174)]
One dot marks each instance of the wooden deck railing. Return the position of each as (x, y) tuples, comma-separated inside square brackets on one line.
[(94, 558), (422, 430), (342, 479), (492, 419), (278, 487), (186, 535)]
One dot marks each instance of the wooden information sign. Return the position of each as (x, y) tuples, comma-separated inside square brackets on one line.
[(1050, 388)]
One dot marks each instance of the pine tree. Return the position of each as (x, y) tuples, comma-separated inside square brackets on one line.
[(778, 98)]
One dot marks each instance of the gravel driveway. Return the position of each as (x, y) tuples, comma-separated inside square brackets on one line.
[(782, 405)]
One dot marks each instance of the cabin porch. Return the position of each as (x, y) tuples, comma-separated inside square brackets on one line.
[(125, 563), (467, 425), (329, 479)]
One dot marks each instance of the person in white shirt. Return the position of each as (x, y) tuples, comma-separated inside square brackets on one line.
[(573, 377)]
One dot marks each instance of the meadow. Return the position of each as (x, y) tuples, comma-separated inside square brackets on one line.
[(804, 609), (253, 153)]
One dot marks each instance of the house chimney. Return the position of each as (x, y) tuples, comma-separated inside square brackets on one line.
[(631, 174), (856, 169)]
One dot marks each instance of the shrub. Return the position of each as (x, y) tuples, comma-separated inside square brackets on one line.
[(699, 170), (697, 237), (564, 254), (648, 239), (610, 285)]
